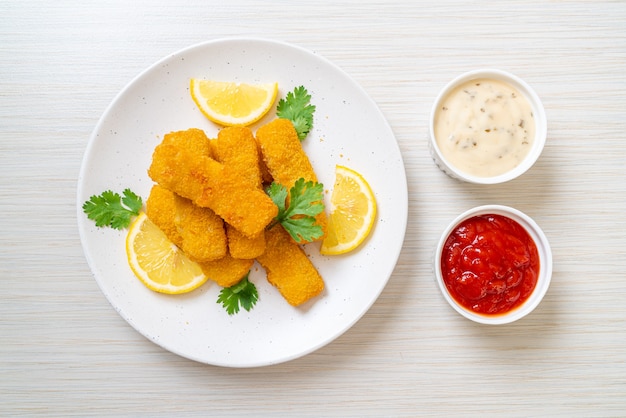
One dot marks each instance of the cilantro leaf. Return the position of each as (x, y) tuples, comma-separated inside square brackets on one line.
[(278, 194), (242, 294), (304, 229), (111, 209), (306, 200), (297, 108)]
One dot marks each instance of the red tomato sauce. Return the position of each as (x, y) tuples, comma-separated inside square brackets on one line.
[(490, 264)]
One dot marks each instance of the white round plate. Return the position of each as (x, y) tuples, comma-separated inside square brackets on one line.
[(349, 130)]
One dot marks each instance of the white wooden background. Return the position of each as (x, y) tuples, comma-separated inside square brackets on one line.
[(65, 351)]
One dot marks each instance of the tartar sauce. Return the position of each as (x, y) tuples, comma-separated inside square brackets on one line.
[(484, 127)]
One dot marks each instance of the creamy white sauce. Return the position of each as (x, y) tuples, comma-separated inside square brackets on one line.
[(484, 127)]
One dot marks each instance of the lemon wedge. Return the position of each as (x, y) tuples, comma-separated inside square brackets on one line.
[(157, 262), (352, 212), (233, 104)]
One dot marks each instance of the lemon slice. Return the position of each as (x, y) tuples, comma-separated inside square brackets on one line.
[(352, 212), (233, 104), (158, 263)]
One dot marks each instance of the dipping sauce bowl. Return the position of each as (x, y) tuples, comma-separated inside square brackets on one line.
[(493, 264), (487, 127)]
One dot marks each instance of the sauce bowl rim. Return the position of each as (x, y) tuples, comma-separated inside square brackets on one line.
[(545, 264), (539, 118)]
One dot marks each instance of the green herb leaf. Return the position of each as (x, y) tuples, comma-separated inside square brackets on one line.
[(306, 200), (242, 294), (297, 108), (111, 209), (278, 194)]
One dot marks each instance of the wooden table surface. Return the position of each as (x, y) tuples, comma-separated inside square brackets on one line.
[(65, 351)]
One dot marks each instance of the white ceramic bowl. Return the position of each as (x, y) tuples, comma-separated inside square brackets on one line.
[(545, 263), (539, 118)]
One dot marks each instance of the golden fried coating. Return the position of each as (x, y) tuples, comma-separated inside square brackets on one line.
[(282, 153), (194, 140), (203, 233), (227, 271), (236, 148), (182, 172), (288, 268), (161, 210), (211, 184), (199, 232), (240, 246)]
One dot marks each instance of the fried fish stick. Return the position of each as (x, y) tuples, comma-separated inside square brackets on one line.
[(202, 230), (283, 154), (199, 232), (227, 271), (236, 148), (182, 172), (161, 210), (210, 184), (194, 140), (241, 246), (288, 268), (284, 157)]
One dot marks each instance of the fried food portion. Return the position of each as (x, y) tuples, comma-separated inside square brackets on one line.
[(161, 210), (286, 161), (236, 148), (182, 172), (199, 232), (202, 230), (211, 184), (193, 139), (282, 153), (227, 271), (288, 268), (241, 246)]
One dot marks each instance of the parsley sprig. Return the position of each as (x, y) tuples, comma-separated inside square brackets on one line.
[(242, 294), (298, 216), (297, 108), (111, 209)]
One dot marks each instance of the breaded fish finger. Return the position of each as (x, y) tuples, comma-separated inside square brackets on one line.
[(282, 153), (199, 232), (161, 210), (203, 233), (227, 271), (288, 268), (236, 148), (182, 172), (210, 184), (193, 139), (285, 159), (241, 246)]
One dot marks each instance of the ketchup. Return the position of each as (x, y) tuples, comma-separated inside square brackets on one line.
[(490, 264)]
